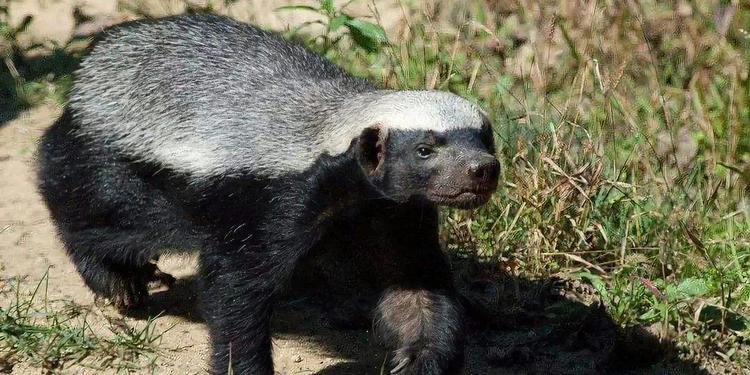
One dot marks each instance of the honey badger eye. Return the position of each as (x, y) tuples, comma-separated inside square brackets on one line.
[(424, 152)]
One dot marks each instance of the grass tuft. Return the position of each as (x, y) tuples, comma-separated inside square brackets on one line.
[(56, 335)]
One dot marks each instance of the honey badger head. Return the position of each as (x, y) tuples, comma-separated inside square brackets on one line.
[(432, 146)]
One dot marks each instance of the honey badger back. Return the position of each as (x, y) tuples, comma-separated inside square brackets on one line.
[(201, 132)]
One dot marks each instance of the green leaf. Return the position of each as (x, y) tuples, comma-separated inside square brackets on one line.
[(649, 316), (368, 29), (338, 21), (363, 41), (692, 287), (366, 34)]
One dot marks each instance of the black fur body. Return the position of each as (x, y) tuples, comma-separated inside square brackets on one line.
[(123, 187)]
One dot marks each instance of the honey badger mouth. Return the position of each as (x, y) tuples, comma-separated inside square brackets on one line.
[(465, 198)]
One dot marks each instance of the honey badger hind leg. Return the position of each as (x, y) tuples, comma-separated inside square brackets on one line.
[(112, 223), (97, 255)]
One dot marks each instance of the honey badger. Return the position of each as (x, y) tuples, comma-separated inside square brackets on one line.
[(202, 132)]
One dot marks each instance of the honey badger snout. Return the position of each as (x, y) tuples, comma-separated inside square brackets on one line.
[(469, 181), (484, 170)]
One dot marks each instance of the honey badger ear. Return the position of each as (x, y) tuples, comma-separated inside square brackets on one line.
[(371, 149)]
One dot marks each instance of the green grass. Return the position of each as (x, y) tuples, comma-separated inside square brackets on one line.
[(624, 133), (57, 335)]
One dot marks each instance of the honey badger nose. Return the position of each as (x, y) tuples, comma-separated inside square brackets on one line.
[(484, 169)]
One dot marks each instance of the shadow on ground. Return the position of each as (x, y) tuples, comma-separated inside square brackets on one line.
[(29, 79), (517, 326)]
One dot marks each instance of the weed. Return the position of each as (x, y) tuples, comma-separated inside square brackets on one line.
[(364, 34), (57, 335)]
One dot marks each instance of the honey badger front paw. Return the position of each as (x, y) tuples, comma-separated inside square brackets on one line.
[(156, 279), (129, 290), (124, 293)]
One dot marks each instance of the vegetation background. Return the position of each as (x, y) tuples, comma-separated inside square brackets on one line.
[(623, 128)]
